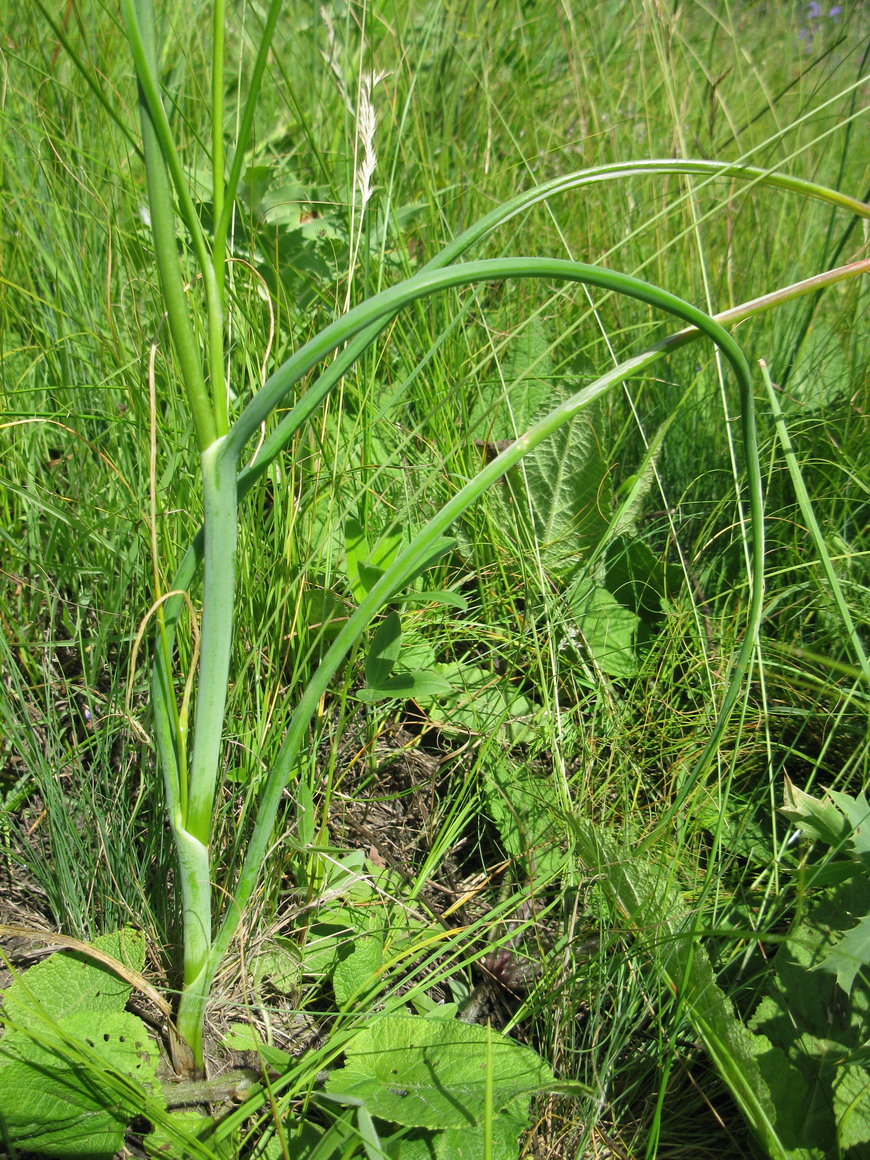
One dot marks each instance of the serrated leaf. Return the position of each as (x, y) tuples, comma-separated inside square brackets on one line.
[(280, 965), (565, 486), (852, 1110), (857, 811), (634, 491), (69, 982), (58, 1119), (797, 1120), (470, 1143), (846, 958), (806, 1015), (635, 578), (356, 968), (522, 388), (524, 807), (433, 1074), (818, 818), (187, 1124)]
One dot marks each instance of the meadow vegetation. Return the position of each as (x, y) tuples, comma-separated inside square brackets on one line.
[(497, 788)]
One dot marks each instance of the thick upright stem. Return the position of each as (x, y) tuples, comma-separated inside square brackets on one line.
[(194, 870), (219, 495), (193, 831)]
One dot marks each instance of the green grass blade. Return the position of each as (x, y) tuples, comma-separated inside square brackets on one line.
[(806, 506)]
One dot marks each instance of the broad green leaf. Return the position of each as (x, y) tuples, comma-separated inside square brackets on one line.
[(521, 388), (439, 548), (356, 968), (565, 487), (356, 550), (57, 1114), (608, 630), (67, 983), (819, 819), (325, 940), (468, 1143), (480, 702), (857, 811), (636, 578), (820, 1030), (384, 553), (416, 654), (420, 685), (431, 1073), (66, 1034), (846, 958), (280, 965), (164, 1141), (632, 494), (378, 559), (797, 1119), (384, 650), (852, 1110), (252, 188), (562, 492), (525, 808)]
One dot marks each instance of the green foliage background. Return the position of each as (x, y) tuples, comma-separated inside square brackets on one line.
[(584, 659)]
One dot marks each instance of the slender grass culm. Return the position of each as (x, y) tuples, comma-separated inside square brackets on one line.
[(192, 252)]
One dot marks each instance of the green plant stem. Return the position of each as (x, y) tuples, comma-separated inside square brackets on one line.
[(194, 876), (221, 524), (279, 438), (386, 304), (429, 542), (357, 330), (162, 156), (166, 247), (619, 170), (217, 136), (295, 736), (223, 216), (193, 835)]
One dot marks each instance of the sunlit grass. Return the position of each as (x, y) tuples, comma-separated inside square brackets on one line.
[(476, 105)]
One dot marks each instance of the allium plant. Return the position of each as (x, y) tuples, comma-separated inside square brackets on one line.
[(191, 771)]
